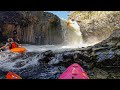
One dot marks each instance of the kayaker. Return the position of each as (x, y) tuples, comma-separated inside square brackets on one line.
[(10, 45), (15, 37)]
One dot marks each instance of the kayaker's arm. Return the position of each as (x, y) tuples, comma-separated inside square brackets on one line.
[(5, 46), (19, 45), (2, 48)]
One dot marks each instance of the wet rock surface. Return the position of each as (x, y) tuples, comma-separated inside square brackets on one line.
[(51, 66)]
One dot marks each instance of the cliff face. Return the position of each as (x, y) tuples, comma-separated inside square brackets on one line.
[(105, 27), (33, 27), (96, 25)]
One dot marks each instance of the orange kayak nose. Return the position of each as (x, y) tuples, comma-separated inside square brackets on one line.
[(19, 50), (12, 75)]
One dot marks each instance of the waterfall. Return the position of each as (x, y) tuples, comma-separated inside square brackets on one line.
[(71, 33), (76, 37)]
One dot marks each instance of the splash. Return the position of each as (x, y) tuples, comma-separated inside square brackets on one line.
[(71, 33)]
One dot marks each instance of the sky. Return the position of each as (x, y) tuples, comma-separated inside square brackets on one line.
[(61, 14)]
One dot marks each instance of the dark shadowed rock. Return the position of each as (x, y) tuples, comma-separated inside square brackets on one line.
[(13, 17), (3, 72), (68, 55), (49, 53), (33, 27), (88, 49), (107, 52), (44, 59), (19, 64), (94, 49)]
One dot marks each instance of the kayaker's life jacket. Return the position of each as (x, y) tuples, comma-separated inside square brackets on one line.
[(13, 45)]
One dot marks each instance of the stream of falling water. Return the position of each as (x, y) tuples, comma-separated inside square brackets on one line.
[(71, 33), (73, 36)]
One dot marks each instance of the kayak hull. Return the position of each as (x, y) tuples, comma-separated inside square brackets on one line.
[(74, 71), (19, 50)]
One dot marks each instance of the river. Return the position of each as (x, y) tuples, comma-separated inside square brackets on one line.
[(40, 61)]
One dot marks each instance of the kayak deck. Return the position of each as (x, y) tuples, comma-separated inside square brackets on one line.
[(19, 50), (74, 71)]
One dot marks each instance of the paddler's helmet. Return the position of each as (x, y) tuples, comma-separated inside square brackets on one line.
[(10, 40)]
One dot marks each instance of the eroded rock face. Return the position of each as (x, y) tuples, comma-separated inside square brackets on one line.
[(107, 52), (33, 27), (45, 29), (96, 25)]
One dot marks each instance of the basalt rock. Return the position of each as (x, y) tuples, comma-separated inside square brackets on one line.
[(49, 53), (107, 53), (19, 64), (33, 27), (96, 26)]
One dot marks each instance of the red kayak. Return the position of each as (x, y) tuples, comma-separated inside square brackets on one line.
[(12, 75), (74, 71)]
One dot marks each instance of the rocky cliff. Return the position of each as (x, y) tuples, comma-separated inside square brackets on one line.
[(33, 27), (105, 29), (96, 25)]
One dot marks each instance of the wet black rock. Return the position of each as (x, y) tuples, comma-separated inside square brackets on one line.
[(19, 64), (53, 61), (67, 55), (88, 49), (79, 61), (107, 52), (49, 53), (3, 72)]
